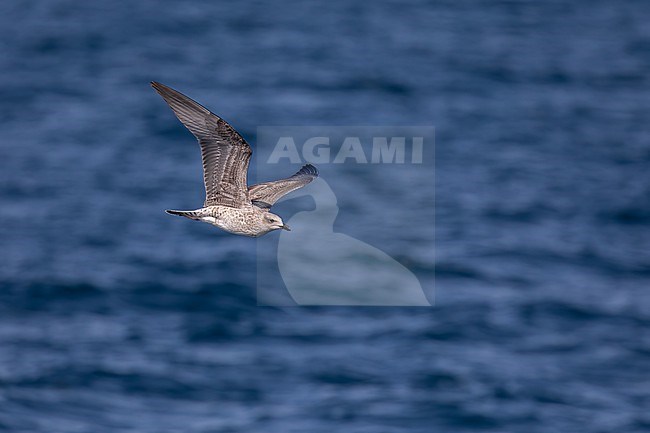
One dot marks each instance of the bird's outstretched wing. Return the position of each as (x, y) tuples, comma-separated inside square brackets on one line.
[(265, 194), (225, 153)]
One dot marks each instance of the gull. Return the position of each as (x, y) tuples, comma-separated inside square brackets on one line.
[(230, 203)]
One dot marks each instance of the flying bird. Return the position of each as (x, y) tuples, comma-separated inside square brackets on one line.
[(230, 203)]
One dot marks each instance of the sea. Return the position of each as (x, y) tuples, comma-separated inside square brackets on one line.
[(534, 256)]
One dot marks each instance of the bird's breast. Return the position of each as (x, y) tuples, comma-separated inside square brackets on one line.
[(242, 221)]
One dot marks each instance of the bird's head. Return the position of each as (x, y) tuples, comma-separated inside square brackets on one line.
[(274, 222)]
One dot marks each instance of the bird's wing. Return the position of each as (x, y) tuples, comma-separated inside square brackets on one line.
[(265, 194), (225, 153)]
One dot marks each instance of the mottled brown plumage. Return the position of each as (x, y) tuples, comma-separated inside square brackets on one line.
[(229, 203)]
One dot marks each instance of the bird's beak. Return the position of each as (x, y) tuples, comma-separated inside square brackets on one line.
[(286, 227)]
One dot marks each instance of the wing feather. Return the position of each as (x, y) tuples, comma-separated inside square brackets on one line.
[(265, 194), (224, 151)]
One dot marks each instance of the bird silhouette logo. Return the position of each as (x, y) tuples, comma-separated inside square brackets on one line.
[(322, 267)]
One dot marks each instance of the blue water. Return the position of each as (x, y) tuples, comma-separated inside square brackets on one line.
[(117, 317)]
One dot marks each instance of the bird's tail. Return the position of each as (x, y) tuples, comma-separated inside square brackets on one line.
[(191, 214)]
